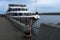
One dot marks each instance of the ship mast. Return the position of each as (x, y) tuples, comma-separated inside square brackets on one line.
[(31, 24), (36, 6)]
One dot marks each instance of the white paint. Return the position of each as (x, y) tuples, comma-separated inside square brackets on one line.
[(17, 7), (35, 16), (19, 12)]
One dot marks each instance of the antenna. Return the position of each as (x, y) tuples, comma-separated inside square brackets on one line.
[(36, 6)]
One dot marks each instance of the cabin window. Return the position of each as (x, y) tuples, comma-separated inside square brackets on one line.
[(14, 9), (15, 14), (26, 14), (9, 9), (20, 14), (11, 14), (18, 9), (24, 9)]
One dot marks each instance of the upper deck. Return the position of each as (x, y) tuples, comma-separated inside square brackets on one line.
[(21, 5)]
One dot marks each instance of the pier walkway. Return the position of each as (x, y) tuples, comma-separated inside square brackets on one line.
[(8, 31)]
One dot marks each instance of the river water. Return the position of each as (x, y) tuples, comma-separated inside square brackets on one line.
[(45, 19)]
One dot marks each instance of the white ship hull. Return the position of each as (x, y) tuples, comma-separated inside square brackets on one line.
[(26, 19)]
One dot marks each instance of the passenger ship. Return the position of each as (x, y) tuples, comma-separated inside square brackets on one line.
[(21, 13)]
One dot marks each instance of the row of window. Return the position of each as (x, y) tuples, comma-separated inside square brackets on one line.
[(17, 9), (17, 5), (18, 14), (15, 14)]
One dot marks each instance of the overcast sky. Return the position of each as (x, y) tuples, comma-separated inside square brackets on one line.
[(41, 5)]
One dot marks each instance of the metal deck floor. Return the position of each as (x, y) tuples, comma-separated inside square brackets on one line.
[(8, 31)]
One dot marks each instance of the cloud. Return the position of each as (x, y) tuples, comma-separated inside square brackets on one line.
[(53, 5)]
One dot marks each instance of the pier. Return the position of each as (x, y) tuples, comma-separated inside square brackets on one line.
[(8, 31)]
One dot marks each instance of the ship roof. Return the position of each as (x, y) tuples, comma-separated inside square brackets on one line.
[(17, 5)]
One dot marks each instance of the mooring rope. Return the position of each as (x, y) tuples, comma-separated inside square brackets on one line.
[(31, 23)]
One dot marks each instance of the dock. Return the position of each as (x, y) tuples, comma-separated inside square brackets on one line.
[(9, 32)]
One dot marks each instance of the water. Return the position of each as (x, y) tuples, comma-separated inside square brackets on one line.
[(45, 19)]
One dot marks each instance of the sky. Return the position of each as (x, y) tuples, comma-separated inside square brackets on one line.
[(42, 6)]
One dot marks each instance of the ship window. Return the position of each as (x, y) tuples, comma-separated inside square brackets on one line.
[(24, 9), (14, 9), (20, 14), (18, 9), (15, 14), (26, 14), (9, 9), (11, 14)]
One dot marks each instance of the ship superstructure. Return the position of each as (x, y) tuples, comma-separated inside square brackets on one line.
[(17, 9)]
